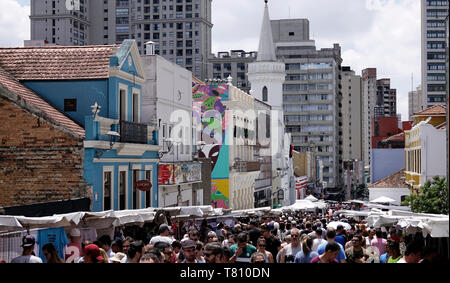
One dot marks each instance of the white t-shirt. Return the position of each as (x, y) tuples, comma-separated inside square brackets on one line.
[(316, 243), (27, 259), (402, 260)]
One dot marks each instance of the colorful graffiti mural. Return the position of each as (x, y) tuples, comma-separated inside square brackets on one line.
[(220, 196), (210, 113)]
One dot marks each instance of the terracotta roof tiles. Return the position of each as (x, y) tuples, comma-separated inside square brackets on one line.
[(393, 181), (57, 62), (437, 110)]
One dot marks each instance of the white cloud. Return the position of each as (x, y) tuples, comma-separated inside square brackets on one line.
[(14, 23)]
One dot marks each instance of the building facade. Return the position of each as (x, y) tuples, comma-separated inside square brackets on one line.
[(386, 99), (100, 89), (41, 150), (434, 76), (167, 100), (425, 147), (181, 29), (227, 132), (312, 95), (351, 115), (369, 77), (415, 102), (234, 64)]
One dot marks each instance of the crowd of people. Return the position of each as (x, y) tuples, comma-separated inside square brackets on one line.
[(296, 238)]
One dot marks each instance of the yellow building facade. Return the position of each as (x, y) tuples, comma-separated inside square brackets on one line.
[(425, 147)]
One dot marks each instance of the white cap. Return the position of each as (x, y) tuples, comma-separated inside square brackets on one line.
[(75, 233)]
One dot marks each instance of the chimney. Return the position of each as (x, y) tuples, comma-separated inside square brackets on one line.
[(149, 48)]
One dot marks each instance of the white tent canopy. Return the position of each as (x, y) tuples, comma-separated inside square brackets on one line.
[(434, 225), (382, 199), (10, 224), (104, 219), (299, 205), (311, 198)]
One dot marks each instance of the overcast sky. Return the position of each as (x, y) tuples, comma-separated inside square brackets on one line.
[(382, 34)]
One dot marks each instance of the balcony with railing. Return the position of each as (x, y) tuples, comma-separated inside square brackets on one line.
[(131, 132)]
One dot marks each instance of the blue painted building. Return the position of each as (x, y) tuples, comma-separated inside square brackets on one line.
[(100, 88)]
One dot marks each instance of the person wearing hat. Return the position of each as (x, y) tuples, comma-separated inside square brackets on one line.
[(27, 256), (92, 254), (73, 249), (163, 235), (189, 252), (118, 258)]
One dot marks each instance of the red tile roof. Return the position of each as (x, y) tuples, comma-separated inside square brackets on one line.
[(57, 62), (32, 98), (435, 110), (396, 180)]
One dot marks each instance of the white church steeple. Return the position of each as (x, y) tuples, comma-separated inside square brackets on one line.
[(267, 75), (266, 50)]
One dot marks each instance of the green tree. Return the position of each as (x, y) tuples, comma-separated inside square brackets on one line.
[(432, 197)]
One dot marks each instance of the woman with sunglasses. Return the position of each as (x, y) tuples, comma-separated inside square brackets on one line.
[(261, 247)]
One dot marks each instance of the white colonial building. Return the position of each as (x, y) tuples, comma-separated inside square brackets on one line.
[(167, 102)]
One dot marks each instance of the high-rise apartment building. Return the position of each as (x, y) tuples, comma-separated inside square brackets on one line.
[(415, 102), (54, 22), (312, 95), (180, 29), (378, 100), (234, 64), (351, 114), (386, 99), (369, 78), (434, 76)]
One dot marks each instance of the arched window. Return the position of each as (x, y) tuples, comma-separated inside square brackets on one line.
[(264, 94)]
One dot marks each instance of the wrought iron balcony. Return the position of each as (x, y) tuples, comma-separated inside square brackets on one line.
[(131, 132)]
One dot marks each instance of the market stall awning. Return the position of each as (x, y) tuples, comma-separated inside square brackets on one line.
[(434, 225), (9, 224), (311, 198), (382, 199)]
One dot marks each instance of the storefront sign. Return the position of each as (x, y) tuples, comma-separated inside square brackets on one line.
[(143, 185)]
